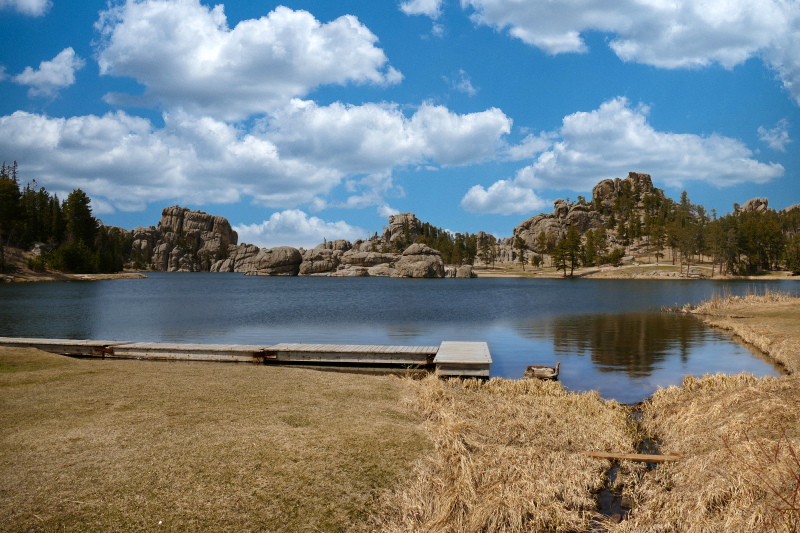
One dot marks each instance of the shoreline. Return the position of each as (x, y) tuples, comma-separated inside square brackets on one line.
[(36, 277), (650, 271), (767, 322), (457, 444)]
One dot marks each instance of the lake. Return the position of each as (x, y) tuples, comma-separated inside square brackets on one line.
[(608, 334)]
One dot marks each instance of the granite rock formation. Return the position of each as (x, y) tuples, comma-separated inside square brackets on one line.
[(420, 261), (183, 241), (582, 215), (755, 204)]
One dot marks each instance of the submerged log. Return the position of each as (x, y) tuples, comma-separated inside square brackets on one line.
[(542, 372)]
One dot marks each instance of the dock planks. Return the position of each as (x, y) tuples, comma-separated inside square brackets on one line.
[(456, 358), (451, 358)]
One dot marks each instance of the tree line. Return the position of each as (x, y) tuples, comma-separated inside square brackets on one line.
[(739, 242), (74, 240)]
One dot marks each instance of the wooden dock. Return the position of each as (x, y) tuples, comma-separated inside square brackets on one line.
[(468, 359)]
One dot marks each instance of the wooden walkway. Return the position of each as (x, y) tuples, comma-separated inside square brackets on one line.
[(450, 359)]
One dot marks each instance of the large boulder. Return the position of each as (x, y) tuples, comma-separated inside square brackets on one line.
[(242, 257), (367, 259), (420, 261), (603, 191), (350, 272), (381, 271), (465, 271), (280, 261), (755, 205), (319, 260), (145, 240), (179, 261), (339, 244), (161, 254), (584, 218), (209, 234)]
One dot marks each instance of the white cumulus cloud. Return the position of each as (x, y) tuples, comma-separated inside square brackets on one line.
[(52, 75), (609, 142), (429, 8), (34, 8), (504, 197), (294, 157), (294, 227), (778, 137), (185, 55), (666, 34), (373, 138), (124, 160), (616, 138)]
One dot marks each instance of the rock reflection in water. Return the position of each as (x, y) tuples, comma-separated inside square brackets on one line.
[(634, 343)]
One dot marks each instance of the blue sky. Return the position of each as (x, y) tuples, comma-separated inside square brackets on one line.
[(308, 120)]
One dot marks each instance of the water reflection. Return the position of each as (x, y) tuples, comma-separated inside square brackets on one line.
[(603, 331), (633, 343)]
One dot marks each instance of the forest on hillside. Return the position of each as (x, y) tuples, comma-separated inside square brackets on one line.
[(74, 240), (741, 242)]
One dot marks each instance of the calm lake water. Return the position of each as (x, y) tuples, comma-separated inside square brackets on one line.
[(607, 334)]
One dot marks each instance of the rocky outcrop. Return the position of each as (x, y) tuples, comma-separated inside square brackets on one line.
[(338, 245), (404, 227), (581, 215), (161, 256), (465, 271), (178, 261), (280, 261), (320, 260), (350, 272), (381, 271), (420, 261), (203, 241), (368, 259), (755, 205), (144, 241)]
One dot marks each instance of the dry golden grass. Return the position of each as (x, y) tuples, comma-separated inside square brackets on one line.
[(508, 458), (715, 422), (723, 302), (120, 445), (770, 321)]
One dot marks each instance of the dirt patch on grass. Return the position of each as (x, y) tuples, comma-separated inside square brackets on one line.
[(717, 423), (508, 458), (117, 445)]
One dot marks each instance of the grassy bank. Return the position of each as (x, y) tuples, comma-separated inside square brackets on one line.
[(508, 458), (117, 445), (768, 321), (726, 481)]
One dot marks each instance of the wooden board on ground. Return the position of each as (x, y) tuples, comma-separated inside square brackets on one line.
[(636, 457)]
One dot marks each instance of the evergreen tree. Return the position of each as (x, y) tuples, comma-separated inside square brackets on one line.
[(522, 247), (81, 225)]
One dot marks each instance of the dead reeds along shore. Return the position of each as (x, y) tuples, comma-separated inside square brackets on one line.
[(738, 435), (508, 458), (769, 321)]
